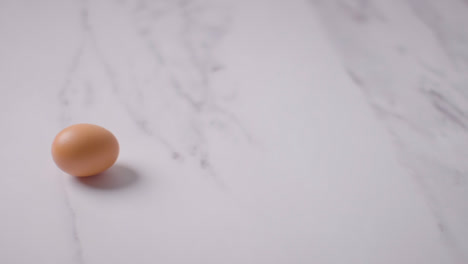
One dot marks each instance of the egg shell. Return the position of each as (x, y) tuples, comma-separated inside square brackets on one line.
[(85, 150)]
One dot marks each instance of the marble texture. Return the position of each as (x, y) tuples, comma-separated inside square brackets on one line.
[(251, 131), (410, 59)]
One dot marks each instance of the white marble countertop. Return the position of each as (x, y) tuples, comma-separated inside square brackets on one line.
[(250, 131)]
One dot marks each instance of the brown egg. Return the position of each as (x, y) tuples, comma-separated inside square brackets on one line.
[(84, 149)]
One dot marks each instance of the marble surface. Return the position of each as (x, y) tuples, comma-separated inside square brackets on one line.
[(250, 131), (410, 59)]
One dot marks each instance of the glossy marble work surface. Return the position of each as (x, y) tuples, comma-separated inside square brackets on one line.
[(410, 59), (250, 131)]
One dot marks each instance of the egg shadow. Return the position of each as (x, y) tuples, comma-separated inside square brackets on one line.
[(117, 177)]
